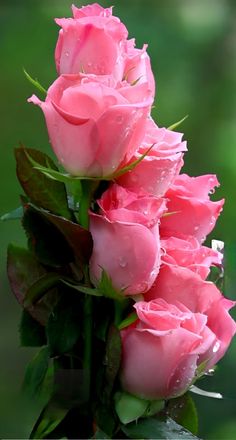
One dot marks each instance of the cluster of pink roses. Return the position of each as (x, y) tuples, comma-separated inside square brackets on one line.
[(152, 221)]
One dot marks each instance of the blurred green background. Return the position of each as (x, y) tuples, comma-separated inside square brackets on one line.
[(192, 44)]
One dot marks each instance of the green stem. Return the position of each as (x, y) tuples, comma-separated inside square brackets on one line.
[(84, 204), (88, 189)]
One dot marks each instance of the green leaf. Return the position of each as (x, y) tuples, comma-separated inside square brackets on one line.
[(35, 83), (16, 214), (36, 372), (129, 407), (100, 435), (32, 333), (106, 420), (177, 124), (157, 428), (41, 190), (41, 287), (61, 239), (23, 271), (183, 411), (49, 419), (105, 287), (63, 327), (44, 240), (128, 321), (112, 359)]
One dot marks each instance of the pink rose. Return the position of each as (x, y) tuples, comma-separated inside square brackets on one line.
[(177, 285), (126, 239), (185, 325), (94, 126), (91, 42), (187, 252), (193, 211), (161, 166), (96, 42)]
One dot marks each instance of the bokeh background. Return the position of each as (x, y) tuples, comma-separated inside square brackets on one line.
[(192, 44)]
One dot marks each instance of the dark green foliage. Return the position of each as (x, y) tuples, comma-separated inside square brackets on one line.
[(64, 325), (47, 243), (157, 428), (36, 372), (56, 240), (41, 190), (32, 333), (23, 271), (183, 411)]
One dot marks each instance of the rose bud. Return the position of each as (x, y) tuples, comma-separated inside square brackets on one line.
[(155, 173), (126, 239), (96, 42), (90, 42), (193, 211), (93, 126)]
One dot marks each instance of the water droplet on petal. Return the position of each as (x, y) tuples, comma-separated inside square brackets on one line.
[(142, 287), (67, 54), (216, 347), (153, 273), (122, 262)]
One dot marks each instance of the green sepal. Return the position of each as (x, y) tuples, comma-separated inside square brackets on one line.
[(131, 165), (106, 288), (35, 83), (128, 321), (67, 178), (82, 288), (154, 407), (177, 124), (129, 407)]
